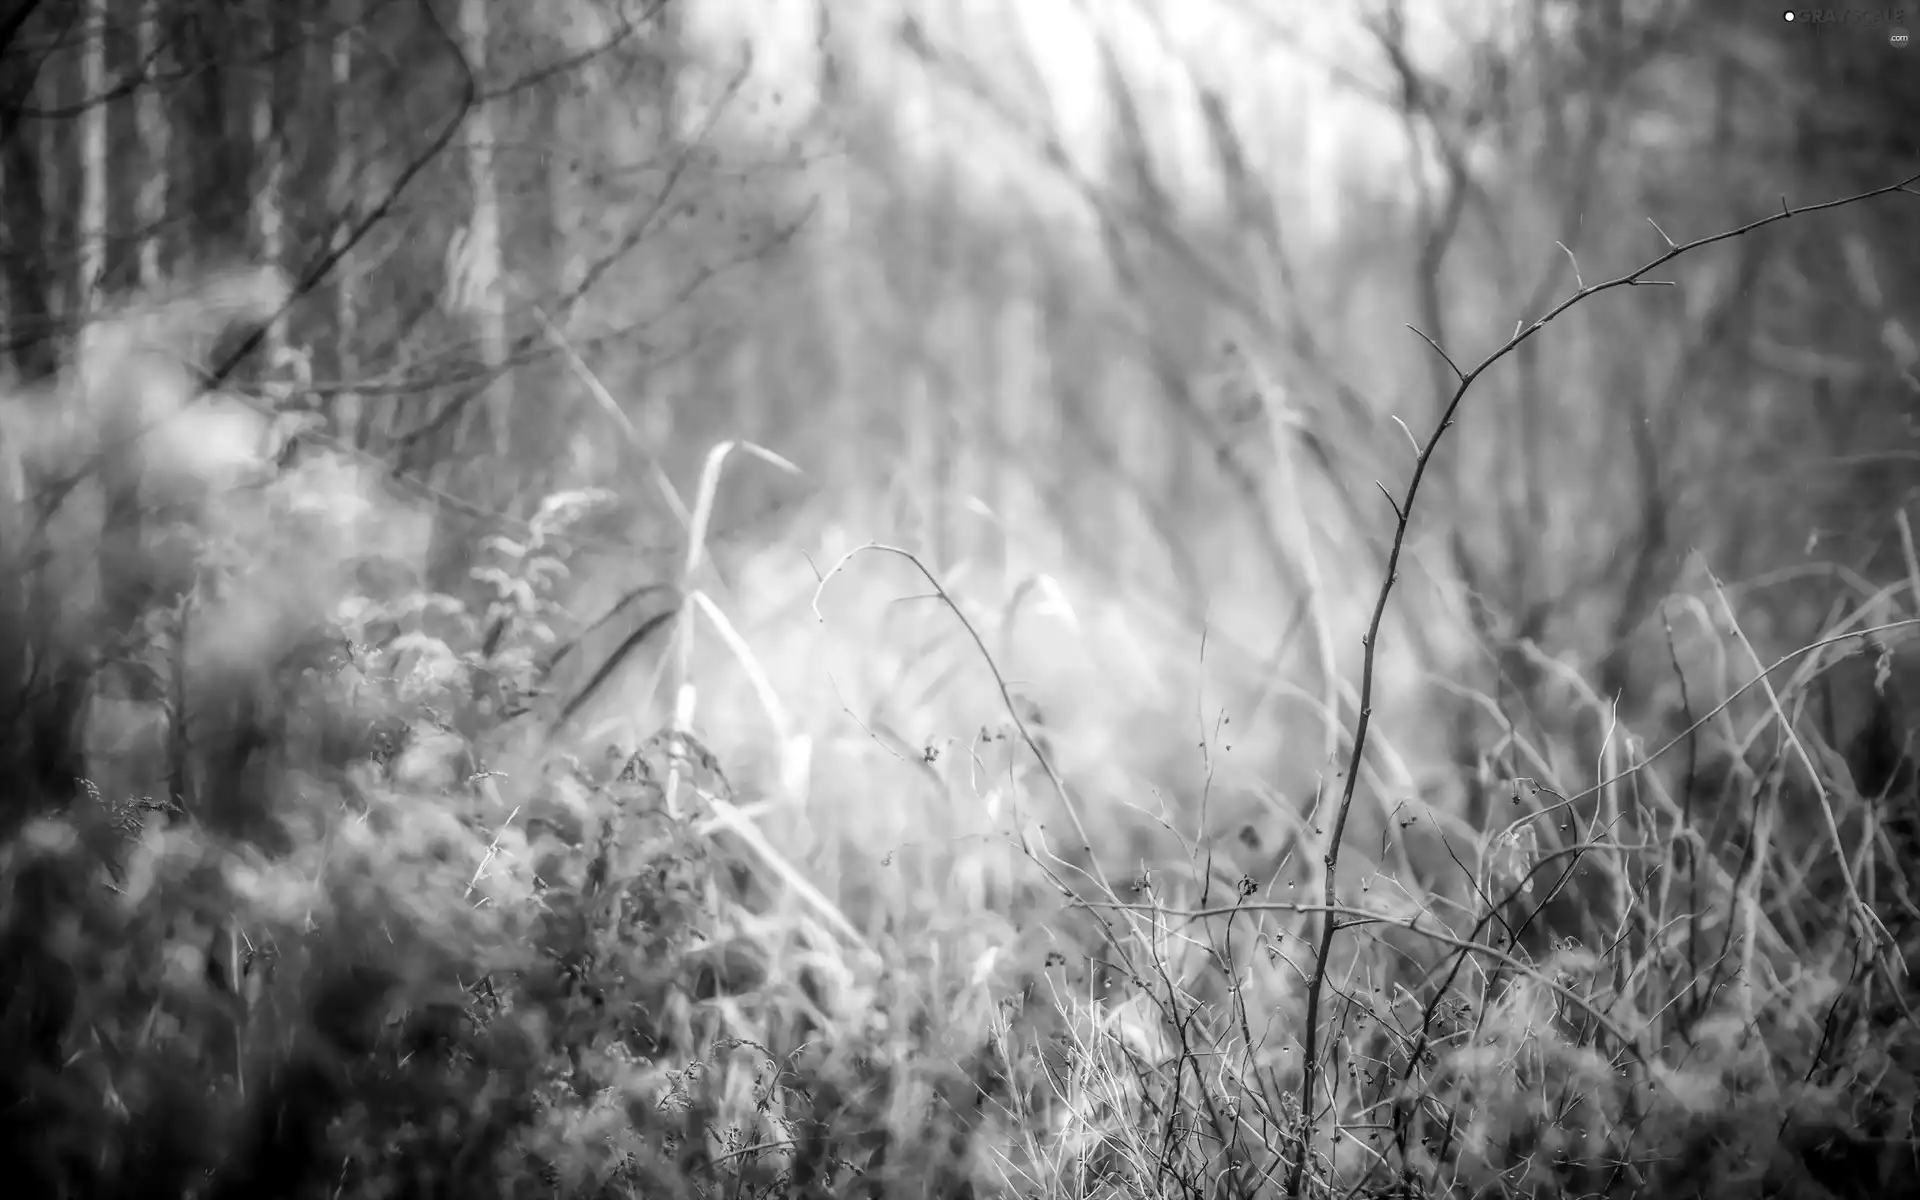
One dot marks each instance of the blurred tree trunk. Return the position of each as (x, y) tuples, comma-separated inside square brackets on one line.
[(43, 683), (150, 119), (57, 170), (122, 582), (91, 266), (266, 109), (834, 274), (353, 417), (926, 486), (550, 217), (24, 234), (211, 169), (483, 280)]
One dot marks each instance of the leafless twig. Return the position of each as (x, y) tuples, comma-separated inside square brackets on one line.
[(1403, 519)]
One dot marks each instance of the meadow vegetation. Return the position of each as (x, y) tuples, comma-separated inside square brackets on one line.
[(307, 890)]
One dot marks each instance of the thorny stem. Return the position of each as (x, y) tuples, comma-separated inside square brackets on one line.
[(1403, 518)]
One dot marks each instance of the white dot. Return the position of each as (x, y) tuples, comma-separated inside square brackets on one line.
[(1789, 16)]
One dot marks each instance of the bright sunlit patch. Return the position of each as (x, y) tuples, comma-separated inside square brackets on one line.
[(994, 86)]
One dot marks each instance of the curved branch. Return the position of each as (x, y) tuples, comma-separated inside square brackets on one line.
[(1331, 859)]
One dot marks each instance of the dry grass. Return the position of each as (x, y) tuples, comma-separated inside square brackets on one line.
[(905, 880)]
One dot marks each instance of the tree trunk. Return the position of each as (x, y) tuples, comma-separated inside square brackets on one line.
[(482, 278), (267, 216), (150, 118), (24, 262), (92, 263), (351, 416)]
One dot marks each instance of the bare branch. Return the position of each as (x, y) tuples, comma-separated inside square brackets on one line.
[(1411, 440), (1577, 281), (1391, 502), (1405, 509), (1457, 373)]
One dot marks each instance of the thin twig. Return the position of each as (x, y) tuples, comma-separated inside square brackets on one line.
[(1444, 357), (1058, 784), (1330, 924)]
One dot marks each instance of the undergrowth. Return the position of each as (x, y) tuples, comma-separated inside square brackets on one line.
[(335, 911)]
